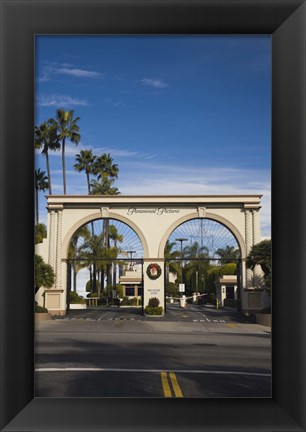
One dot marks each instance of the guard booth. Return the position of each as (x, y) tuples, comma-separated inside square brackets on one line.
[(227, 292)]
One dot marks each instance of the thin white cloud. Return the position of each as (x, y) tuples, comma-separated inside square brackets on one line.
[(71, 150), (79, 73), (60, 100), (154, 83), (52, 69)]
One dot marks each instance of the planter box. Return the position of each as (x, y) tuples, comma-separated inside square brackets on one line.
[(77, 306), (42, 316), (264, 319), (154, 316)]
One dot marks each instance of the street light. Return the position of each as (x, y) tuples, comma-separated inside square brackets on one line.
[(131, 254), (181, 240)]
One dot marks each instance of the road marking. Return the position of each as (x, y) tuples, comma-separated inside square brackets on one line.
[(102, 316), (176, 387), (165, 384), (97, 369), (231, 325)]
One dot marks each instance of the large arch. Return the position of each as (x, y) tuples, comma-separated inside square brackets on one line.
[(95, 216), (211, 216), (152, 218)]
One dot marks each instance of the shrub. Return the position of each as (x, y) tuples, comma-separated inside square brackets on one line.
[(40, 309), (76, 299), (115, 302), (149, 310), (172, 289), (153, 302), (129, 302), (119, 289), (125, 301), (88, 285)]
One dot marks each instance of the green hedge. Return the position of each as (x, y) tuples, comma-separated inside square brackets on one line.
[(40, 309), (149, 310), (76, 299)]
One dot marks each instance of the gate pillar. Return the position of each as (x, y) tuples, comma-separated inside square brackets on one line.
[(154, 281)]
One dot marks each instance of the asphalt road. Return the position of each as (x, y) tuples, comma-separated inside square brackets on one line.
[(193, 353)]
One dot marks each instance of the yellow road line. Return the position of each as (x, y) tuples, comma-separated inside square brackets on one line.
[(176, 387), (165, 384)]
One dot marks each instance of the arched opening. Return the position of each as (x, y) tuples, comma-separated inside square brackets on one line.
[(203, 262), (104, 264)]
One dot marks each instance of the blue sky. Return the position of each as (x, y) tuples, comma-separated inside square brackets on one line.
[(178, 114)]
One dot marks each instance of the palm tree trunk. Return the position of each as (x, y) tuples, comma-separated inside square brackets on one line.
[(64, 165), (74, 277), (88, 182), (90, 278), (114, 273), (48, 172), (94, 285)]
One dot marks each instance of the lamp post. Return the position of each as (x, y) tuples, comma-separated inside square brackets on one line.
[(181, 240), (131, 254)]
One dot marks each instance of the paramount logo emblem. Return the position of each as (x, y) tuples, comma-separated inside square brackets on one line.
[(158, 211)]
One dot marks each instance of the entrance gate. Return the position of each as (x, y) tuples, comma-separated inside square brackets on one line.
[(128, 275), (153, 218), (200, 287)]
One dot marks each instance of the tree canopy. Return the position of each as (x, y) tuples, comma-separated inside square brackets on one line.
[(44, 274), (260, 254)]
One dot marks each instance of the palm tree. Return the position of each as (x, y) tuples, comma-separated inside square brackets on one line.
[(95, 254), (46, 138), (104, 187), (228, 254), (74, 253), (85, 162), (115, 237), (104, 167), (41, 184), (44, 274), (198, 264), (67, 128)]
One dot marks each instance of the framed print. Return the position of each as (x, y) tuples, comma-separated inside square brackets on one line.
[(21, 22)]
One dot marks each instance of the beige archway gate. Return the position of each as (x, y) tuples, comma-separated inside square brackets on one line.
[(153, 218)]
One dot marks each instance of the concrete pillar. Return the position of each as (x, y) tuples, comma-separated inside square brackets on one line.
[(52, 239), (258, 273), (153, 287), (248, 243), (58, 265)]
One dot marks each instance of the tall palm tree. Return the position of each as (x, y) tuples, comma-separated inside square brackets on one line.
[(46, 138), (85, 162), (41, 184), (198, 262), (115, 237), (104, 187), (74, 253), (67, 129), (95, 254), (104, 167), (228, 254)]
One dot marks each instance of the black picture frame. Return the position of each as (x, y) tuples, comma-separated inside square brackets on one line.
[(20, 22)]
